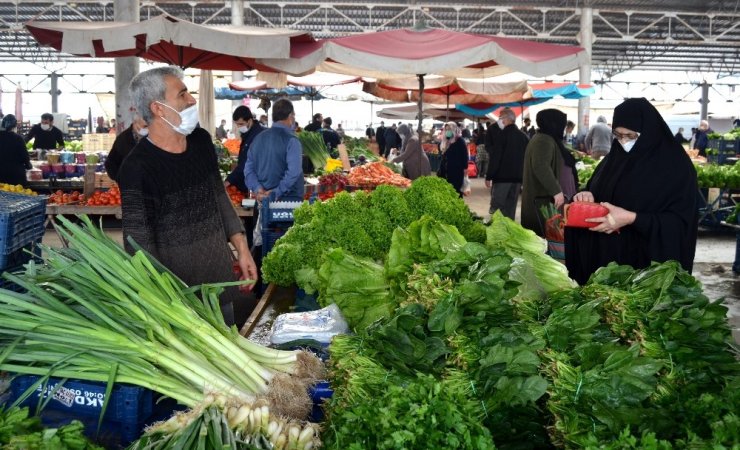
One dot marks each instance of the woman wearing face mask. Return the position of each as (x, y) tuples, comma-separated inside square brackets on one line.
[(414, 159), (122, 146), (649, 185), (454, 162), (543, 163)]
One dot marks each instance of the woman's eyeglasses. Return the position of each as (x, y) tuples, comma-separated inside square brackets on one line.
[(622, 136)]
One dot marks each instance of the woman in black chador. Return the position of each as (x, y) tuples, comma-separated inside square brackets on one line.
[(649, 185)]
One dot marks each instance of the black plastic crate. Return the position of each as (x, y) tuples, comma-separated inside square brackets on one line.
[(17, 258)]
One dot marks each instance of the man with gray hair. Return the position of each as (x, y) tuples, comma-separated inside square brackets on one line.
[(599, 139), (506, 165), (173, 200)]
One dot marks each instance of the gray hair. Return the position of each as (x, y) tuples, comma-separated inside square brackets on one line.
[(507, 113), (601, 119), (149, 86)]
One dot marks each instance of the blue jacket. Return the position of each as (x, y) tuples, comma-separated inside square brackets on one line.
[(274, 163)]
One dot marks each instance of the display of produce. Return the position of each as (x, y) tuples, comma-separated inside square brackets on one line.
[(235, 195), (62, 198), (363, 223), (110, 197), (222, 423), (375, 174), (16, 188), (314, 148), (719, 176), (20, 431), (357, 147), (94, 312), (495, 335)]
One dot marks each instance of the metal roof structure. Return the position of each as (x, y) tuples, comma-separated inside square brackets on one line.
[(662, 35)]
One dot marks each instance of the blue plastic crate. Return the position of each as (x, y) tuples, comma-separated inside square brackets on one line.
[(129, 404), (269, 237), (320, 393), (110, 435), (272, 215), (17, 258), (22, 220)]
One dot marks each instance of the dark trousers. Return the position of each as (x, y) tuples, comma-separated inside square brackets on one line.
[(504, 197)]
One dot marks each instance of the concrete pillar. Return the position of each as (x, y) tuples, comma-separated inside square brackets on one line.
[(704, 100), (585, 39), (237, 18), (125, 68), (54, 92)]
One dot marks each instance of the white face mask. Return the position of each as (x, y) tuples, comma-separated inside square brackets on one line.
[(45, 127), (188, 119), (243, 129), (143, 132), (500, 123), (627, 146)]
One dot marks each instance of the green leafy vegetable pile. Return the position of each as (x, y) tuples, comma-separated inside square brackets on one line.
[(19, 431), (363, 224)]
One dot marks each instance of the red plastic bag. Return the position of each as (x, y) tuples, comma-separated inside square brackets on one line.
[(472, 169), (576, 214)]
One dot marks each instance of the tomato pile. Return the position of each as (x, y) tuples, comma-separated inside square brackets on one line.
[(111, 197), (60, 198), (235, 195)]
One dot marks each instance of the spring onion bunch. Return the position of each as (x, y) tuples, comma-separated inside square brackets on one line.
[(94, 312), (222, 423)]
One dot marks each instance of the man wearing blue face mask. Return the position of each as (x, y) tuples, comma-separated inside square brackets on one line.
[(173, 200)]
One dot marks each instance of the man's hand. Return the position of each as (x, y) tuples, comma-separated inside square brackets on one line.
[(489, 183), (226, 183), (262, 194), (244, 259)]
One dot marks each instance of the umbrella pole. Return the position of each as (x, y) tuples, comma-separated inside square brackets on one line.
[(447, 110), (421, 101), (89, 120)]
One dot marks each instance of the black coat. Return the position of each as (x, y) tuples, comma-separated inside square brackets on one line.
[(454, 164), (657, 181), (14, 159), (122, 146), (380, 138), (236, 177), (392, 140), (506, 163), (52, 138)]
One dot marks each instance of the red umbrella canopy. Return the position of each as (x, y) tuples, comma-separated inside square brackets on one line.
[(403, 52), (174, 41), (448, 90)]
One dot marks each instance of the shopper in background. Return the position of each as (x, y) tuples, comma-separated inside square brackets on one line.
[(599, 139), (221, 131), (454, 164), (263, 121), (527, 128), (481, 155), (392, 140), (331, 137), (315, 124), (112, 129), (648, 183), (14, 159), (248, 129), (101, 128), (340, 132), (505, 168), (702, 141), (380, 138), (369, 132), (543, 163), (570, 139), (679, 137), (414, 159), (122, 146), (172, 197), (45, 134)]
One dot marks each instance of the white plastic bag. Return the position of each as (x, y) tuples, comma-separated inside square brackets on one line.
[(320, 325)]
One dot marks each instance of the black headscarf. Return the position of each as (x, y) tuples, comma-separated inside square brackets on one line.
[(552, 123), (656, 180)]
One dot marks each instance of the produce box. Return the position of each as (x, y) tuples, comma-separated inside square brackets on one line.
[(719, 150), (103, 181), (21, 221), (128, 404), (16, 259), (277, 212), (320, 393), (98, 142)]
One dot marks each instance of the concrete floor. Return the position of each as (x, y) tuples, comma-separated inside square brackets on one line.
[(715, 252)]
